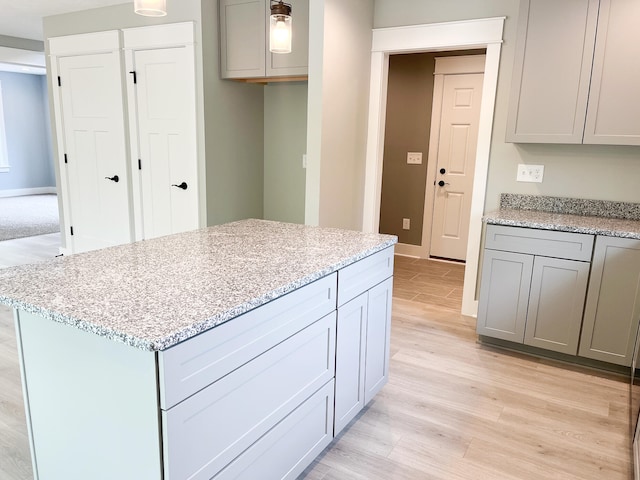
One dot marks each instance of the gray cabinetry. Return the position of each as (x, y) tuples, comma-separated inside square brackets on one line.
[(613, 302), (363, 334), (244, 41), (533, 288), (566, 74)]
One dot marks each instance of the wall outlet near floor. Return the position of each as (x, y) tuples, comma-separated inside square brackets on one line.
[(406, 224), (414, 158), (530, 173)]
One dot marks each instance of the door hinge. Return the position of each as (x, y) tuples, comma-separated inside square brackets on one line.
[(139, 164), (135, 77), (59, 81), (65, 158), (71, 228)]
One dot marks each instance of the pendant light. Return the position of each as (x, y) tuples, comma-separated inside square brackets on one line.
[(150, 8), (280, 27)]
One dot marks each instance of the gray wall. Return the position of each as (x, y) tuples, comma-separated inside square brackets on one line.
[(595, 172), (21, 43), (231, 114), (408, 124), (285, 141), (27, 131), (339, 71)]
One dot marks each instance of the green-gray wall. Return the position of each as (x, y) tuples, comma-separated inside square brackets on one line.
[(586, 171), (21, 43), (408, 124), (285, 142)]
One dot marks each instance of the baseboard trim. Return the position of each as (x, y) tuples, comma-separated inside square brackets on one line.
[(408, 250), (27, 191)]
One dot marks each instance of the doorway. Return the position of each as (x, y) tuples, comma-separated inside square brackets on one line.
[(479, 33), (433, 106)]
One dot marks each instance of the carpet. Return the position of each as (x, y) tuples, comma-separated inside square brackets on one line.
[(28, 216)]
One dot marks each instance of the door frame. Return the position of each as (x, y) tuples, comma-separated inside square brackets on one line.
[(436, 37), (456, 65)]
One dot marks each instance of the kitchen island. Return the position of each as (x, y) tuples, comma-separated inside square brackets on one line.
[(236, 351)]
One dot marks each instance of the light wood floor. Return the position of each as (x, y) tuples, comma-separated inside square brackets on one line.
[(452, 409)]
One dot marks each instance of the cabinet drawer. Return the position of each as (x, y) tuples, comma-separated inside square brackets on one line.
[(192, 365), (207, 431), (287, 449), (364, 274), (547, 243)]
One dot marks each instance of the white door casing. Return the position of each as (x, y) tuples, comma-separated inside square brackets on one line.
[(92, 150), (464, 34), (162, 110), (452, 150)]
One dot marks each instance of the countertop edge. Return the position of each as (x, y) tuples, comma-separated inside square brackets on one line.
[(164, 343)]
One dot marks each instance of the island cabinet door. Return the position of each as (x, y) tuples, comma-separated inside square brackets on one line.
[(209, 430), (556, 303), (613, 302), (351, 334), (378, 338), (504, 295)]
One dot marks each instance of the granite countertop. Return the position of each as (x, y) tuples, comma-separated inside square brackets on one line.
[(612, 227), (155, 293)]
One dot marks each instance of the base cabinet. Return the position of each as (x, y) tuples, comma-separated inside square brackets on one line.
[(613, 302), (362, 351), (533, 298)]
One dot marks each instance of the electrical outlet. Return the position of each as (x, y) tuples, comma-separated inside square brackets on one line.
[(530, 173), (406, 224), (414, 158)]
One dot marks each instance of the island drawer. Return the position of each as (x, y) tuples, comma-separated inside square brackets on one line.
[(196, 363), (291, 445), (209, 430), (359, 277), (547, 243)]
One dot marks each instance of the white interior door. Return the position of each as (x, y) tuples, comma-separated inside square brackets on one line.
[(455, 163), (96, 168), (165, 105)]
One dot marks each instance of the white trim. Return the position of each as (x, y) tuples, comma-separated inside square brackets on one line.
[(4, 153), (27, 191), (407, 250), (22, 61), (84, 44), (481, 33), (159, 36)]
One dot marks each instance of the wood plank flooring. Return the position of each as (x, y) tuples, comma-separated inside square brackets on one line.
[(453, 409)]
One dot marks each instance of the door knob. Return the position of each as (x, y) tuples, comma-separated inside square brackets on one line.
[(443, 171), (442, 183), (115, 178), (183, 185)]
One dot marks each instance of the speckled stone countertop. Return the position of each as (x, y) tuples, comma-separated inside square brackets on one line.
[(595, 217), (156, 293)]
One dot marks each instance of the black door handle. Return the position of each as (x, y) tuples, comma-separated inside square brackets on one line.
[(183, 185), (442, 183), (115, 178), (443, 171)]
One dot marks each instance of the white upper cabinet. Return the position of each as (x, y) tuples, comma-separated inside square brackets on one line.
[(244, 41), (563, 92)]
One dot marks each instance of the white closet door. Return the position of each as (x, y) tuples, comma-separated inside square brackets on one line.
[(92, 113), (165, 101)]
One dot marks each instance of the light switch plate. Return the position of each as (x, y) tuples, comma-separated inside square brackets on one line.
[(414, 158), (406, 224), (530, 173)]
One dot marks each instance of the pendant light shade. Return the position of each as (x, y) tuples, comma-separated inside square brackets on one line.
[(150, 8), (280, 27)]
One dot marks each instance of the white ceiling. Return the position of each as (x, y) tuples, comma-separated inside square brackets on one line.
[(23, 18)]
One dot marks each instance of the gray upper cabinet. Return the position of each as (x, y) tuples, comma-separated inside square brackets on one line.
[(244, 41), (613, 302), (563, 92), (614, 100)]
